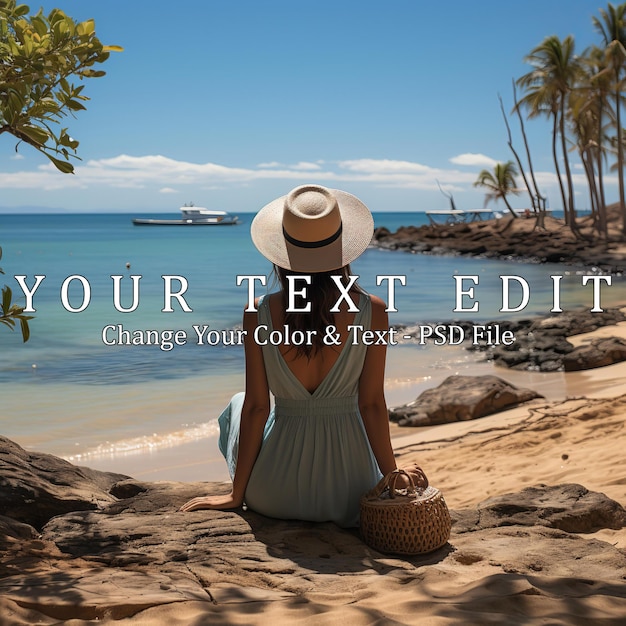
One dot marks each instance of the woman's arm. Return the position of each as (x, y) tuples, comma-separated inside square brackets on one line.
[(254, 414), (372, 402)]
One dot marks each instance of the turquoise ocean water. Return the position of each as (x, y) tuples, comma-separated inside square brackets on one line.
[(68, 393)]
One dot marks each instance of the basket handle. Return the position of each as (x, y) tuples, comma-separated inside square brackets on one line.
[(400, 472), (389, 481)]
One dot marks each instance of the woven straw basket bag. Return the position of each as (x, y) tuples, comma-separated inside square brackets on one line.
[(414, 520)]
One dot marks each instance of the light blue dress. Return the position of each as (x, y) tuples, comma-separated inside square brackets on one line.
[(315, 461)]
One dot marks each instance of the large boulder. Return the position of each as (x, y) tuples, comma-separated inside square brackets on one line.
[(35, 487), (460, 398), (569, 507), (597, 353)]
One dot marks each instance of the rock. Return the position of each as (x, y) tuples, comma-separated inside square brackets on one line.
[(555, 560), (541, 344), (35, 487), (568, 507), (12, 528), (460, 398), (147, 532), (597, 353)]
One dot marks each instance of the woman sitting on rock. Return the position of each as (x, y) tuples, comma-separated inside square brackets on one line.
[(326, 440)]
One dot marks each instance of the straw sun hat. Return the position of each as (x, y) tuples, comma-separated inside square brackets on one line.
[(313, 229)]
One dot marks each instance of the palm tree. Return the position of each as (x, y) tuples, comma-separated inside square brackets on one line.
[(612, 28), (590, 111), (554, 73), (499, 183)]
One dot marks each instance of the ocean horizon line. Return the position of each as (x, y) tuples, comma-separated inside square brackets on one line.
[(34, 211), (58, 211)]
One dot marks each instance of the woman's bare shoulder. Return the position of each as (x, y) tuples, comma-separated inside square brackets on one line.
[(272, 299), (377, 302), (379, 311), (257, 300)]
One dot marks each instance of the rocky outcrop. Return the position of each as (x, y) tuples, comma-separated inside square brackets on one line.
[(35, 487), (460, 398), (541, 344), (513, 239), (598, 353), (134, 556)]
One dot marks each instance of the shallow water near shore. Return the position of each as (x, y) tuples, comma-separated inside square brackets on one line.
[(68, 393)]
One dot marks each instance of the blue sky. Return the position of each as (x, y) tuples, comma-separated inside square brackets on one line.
[(231, 104)]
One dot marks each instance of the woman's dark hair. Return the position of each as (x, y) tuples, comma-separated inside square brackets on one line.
[(322, 293)]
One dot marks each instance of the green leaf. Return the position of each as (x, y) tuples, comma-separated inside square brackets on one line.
[(40, 55), (39, 24), (66, 140), (62, 166), (36, 134), (6, 299), (25, 329), (21, 9), (75, 105), (86, 28), (14, 105), (89, 73)]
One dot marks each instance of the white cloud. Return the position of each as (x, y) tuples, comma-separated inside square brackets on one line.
[(388, 166), (301, 166), (141, 172), (473, 159), (161, 174), (17, 157), (45, 177), (549, 179), (305, 166), (404, 174)]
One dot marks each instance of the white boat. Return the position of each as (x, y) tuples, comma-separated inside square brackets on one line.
[(192, 216), (459, 216)]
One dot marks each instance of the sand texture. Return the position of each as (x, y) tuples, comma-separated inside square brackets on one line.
[(534, 541)]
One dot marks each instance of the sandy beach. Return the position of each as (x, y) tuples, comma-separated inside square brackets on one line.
[(197, 460), (549, 442)]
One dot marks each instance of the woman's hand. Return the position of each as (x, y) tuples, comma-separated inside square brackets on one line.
[(226, 501)]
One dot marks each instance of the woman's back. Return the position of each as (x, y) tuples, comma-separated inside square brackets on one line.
[(311, 370), (333, 370)]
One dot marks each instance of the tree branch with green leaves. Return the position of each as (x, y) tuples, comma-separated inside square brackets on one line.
[(39, 55)]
